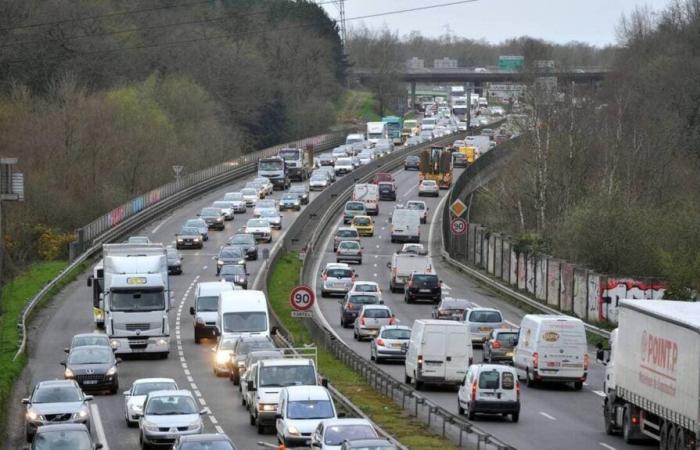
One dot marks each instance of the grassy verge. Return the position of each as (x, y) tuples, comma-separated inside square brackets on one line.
[(16, 293), (381, 409)]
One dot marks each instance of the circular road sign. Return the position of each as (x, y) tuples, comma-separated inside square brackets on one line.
[(302, 298), (458, 226)]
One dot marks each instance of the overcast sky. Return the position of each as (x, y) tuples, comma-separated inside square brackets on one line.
[(591, 21)]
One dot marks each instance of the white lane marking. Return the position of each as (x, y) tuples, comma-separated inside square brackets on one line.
[(599, 393), (205, 267), (375, 274), (213, 420), (604, 445), (155, 230), (99, 429), (410, 190), (444, 286), (219, 429), (547, 416)]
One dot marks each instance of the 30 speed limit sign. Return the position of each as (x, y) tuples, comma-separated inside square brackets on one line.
[(302, 298), (458, 226)]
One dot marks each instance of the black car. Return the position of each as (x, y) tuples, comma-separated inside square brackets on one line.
[(302, 192), (423, 286), (189, 237), (230, 254), (459, 160), (213, 217), (94, 367), (353, 303), (412, 162), (234, 273), (247, 243), (387, 191), (174, 262)]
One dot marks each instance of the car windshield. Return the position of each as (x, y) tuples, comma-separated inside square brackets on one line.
[(253, 345), (227, 344), (90, 339), (425, 280), (208, 304), (207, 212), (231, 252), (507, 339), (363, 299), (319, 177), (362, 221), (190, 231), (337, 434), (344, 161), (254, 223), (152, 386), (355, 206), (233, 197), (232, 269), (221, 204), (245, 322), (366, 287), (298, 189), (339, 273), (261, 204), (171, 405), (290, 154), (90, 355), (412, 159), (350, 245), (377, 313), (135, 300), (291, 197), (429, 183), (62, 440), (247, 239), (485, 316), (249, 191), (206, 445), (56, 394), (270, 165), (396, 333), (489, 379), (195, 223), (415, 205), (287, 376), (386, 187), (452, 303), (346, 233), (269, 213), (310, 409)]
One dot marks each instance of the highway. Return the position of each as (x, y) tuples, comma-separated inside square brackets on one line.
[(551, 417), (189, 364)]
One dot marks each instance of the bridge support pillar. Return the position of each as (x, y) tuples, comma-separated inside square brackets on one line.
[(413, 94)]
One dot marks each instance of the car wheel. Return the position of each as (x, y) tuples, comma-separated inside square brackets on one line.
[(470, 413), (371, 355), (261, 428), (197, 339), (406, 379), (360, 262), (324, 294), (355, 335), (578, 385), (378, 360), (460, 410), (342, 323), (530, 380), (514, 417), (418, 385)]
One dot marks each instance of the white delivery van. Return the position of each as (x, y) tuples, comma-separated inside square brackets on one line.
[(551, 348), (242, 313), (428, 124), (405, 225), (376, 131), (440, 351), (481, 143), (368, 194), (206, 306), (402, 265)]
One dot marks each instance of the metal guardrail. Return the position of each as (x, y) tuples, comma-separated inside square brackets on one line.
[(141, 217), (485, 167)]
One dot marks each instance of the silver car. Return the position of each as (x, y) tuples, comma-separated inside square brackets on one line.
[(273, 217), (481, 322), (226, 208), (199, 224), (136, 396), (371, 319), (55, 402), (167, 415), (237, 201), (349, 251), (250, 195), (391, 343), (319, 181), (338, 278)]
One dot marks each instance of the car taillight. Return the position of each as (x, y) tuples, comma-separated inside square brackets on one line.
[(325, 277), (585, 361), (535, 360), (380, 342), (353, 277), (363, 321), (473, 391), (351, 306), (517, 390), (496, 344), (420, 361), (392, 321)]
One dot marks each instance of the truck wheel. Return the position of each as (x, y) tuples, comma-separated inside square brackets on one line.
[(252, 420), (515, 417), (418, 385), (671, 441), (627, 426), (460, 410), (607, 416), (406, 379), (530, 380), (663, 437)]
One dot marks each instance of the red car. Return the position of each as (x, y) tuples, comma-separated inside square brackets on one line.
[(382, 177)]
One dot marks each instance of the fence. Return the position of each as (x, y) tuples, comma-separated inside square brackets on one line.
[(553, 283)]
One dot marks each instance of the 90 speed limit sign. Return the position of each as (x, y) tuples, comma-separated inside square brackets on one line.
[(302, 298)]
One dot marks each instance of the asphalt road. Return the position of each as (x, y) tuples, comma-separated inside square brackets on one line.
[(551, 417), (189, 364)]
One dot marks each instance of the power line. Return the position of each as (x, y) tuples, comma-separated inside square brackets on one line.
[(148, 28), (230, 35)]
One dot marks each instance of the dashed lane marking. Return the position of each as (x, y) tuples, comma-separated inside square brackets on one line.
[(604, 445), (599, 393), (544, 414), (99, 429)]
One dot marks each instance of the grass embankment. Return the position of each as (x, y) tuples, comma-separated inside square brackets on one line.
[(16, 293), (381, 409), (359, 106)]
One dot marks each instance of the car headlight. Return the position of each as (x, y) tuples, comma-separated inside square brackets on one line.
[(222, 357), (82, 414), (68, 373), (162, 341), (179, 239), (292, 430), (196, 239), (148, 426), (219, 263), (136, 407), (219, 219), (31, 415), (200, 321), (112, 370), (267, 407), (194, 426), (114, 343)]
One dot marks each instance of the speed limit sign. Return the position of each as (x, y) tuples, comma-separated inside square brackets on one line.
[(302, 298), (458, 226)]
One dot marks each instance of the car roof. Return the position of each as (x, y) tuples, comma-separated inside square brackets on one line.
[(88, 347), (373, 283), (62, 427), (361, 443), (171, 393), (375, 306), (345, 229), (498, 367), (90, 334), (205, 437), (49, 383), (395, 327), (295, 393), (346, 421), (338, 266), (481, 308), (154, 380), (286, 362)]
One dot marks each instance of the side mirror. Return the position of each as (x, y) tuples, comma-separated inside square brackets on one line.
[(251, 386), (192, 310), (198, 215), (89, 398), (341, 415), (127, 393), (89, 281), (66, 350), (316, 444), (203, 412), (324, 382), (119, 360), (98, 445), (25, 401), (274, 331), (388, 265), (381, 302), (279, 416), (63, 363)]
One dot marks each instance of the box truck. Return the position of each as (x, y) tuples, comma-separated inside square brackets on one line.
[(652, 376)]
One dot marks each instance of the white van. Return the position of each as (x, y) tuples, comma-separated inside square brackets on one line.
[(404, 264), (551, 348), (300, 410), (368, 194), (489, 389), (376, 131), (440, 351), (405, 225), (206, 306), (241, 313)]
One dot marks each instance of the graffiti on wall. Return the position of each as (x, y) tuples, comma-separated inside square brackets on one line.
[(612, 290)]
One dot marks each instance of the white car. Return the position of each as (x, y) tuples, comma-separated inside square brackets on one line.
[(365, 157), (262, 192), (339, 152), (391, 343), (330, 434), (237, 201), (490, 389), (266, 184), (319, 181), (250, 195), (260, 229), (428, 187), (300, 410), (414, 249), (338, 278), (343, 166), (226, 208), (167, 415), (370, 319), (461, 126), (272, 216), (366, 287), (267, 204), (135, 397), (419, 205)]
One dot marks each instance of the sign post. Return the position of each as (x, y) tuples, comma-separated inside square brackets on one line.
[(302, 299)]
